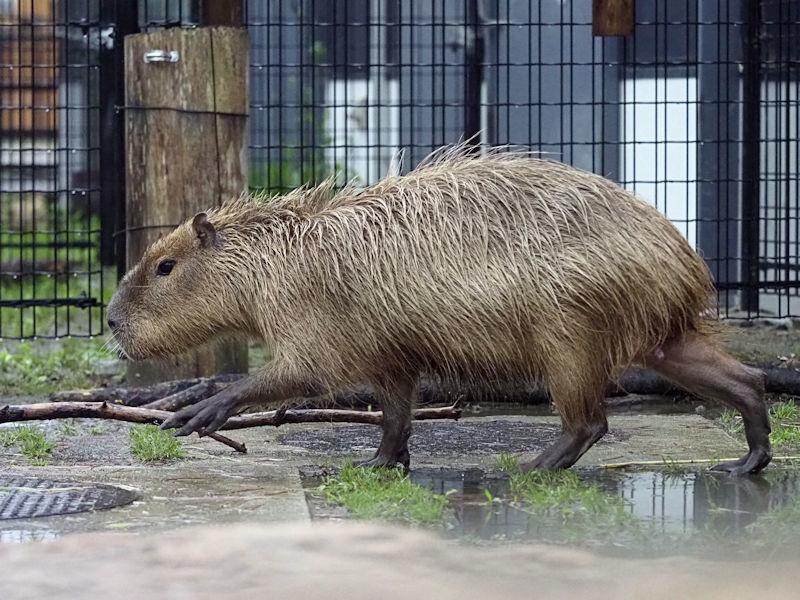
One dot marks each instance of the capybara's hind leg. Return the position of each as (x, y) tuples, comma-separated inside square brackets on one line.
[(396, 407), (695, 364)]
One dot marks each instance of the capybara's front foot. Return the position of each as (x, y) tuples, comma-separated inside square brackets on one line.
[(381, 459), (750, 464), (204, 417)]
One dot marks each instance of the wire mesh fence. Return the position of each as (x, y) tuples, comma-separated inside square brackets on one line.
[(51, 275), (697, 109)]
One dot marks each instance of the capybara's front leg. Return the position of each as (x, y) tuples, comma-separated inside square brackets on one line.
[(697, 365), (569, 447), (270, 384), (393, 449)]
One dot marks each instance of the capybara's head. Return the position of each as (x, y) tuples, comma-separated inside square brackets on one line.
[(172, 299)]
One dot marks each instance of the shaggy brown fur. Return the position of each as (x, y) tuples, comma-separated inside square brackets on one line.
[(481, 270)]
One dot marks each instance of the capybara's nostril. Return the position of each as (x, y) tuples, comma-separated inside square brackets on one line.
[(112, 323)]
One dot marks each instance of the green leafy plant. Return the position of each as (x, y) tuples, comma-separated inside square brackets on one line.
[(506, 462)]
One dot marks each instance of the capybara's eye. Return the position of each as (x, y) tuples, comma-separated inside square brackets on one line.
[(165, 267)]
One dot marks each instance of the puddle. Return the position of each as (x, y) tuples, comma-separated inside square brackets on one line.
[(665, 513)]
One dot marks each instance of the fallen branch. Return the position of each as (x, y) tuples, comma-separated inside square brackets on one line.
[(193, 395), (96, 410), (104, 410), (174, 395), (138, 396), (277, 418)]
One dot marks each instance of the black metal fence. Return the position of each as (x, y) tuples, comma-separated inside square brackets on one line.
[(698, 110), (51, 278)]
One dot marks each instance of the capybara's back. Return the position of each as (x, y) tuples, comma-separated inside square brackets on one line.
[(482, 270)]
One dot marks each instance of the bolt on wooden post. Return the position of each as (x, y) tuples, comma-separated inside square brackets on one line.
[(186, 96)]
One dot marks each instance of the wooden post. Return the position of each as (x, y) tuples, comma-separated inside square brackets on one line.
[(612, 17), (186, 149), (222, 12)]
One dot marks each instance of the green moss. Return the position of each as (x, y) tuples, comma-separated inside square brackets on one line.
[(384, 494), (148, 442)]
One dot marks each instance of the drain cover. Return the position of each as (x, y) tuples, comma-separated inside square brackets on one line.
[(22, 497)]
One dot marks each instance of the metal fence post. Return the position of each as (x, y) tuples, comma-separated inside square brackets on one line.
[(473, 80), (751, 152), (118, 18)]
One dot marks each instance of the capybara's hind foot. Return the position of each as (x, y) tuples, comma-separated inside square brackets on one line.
[(750, 464)]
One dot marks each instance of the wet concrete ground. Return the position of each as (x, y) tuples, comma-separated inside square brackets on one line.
[(217, 485), (219, 523)]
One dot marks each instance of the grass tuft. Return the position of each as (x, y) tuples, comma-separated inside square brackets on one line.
[(32, 442), (385, 494), (506, 462), (148, 442), (785, 421)]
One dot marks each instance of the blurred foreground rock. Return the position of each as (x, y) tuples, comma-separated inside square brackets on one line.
[(358, 561)]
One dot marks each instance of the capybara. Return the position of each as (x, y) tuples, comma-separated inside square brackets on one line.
[(478, 270)]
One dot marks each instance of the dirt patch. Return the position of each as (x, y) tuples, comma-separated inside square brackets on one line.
[(763, 345)]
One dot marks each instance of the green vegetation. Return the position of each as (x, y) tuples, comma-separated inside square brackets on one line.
[(506, 462), (385, 494), (31, 441), (785, 421), (280, 177), (38, 368), (148, 442), (52, 256), (672, 468), (566, 508), (68, 428), (731, 422)]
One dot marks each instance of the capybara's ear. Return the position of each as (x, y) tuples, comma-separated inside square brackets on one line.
[(204, 229)]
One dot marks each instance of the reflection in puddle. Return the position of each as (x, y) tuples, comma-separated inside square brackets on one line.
[(672, 510), (16, 536)]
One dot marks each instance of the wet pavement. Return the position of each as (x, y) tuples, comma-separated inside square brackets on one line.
[(215, 484), (219, 523)]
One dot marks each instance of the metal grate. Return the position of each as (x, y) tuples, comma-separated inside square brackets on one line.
[(24, 497)]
